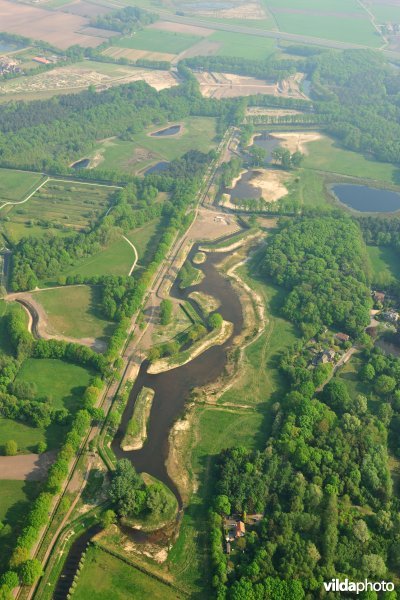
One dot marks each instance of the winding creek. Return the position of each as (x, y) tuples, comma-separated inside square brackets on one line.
[(172, 390)]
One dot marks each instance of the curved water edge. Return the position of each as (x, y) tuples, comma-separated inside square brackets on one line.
[(167, 131), (83, 163), (365, 198), (173, 388), (172, 391)]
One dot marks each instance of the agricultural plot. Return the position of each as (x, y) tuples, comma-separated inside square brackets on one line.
[(74, 311), (16, 185), (342, 20), (227, 85), (59, 206), (59, 29), (242, 45), (158, 41)]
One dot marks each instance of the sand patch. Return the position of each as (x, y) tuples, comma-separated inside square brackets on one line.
[(298, 141), (271, 183), (251, 11)]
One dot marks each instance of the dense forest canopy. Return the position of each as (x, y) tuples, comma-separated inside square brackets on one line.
[(321, 261)]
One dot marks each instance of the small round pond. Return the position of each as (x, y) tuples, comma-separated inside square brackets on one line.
[(172, 130), (157, 168), (81, 164), (366, 199)]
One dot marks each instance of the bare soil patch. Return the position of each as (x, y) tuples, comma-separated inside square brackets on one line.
[(251, 11), (203, 48), (259, 111), (211, 225), (181, 28), (30, 467), (228, 85), (294, 141), (60, 29)]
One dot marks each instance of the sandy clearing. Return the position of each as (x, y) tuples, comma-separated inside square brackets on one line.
[(181, 28), (298, 141), (31, 467), (211, 225), (60, 29), (228, 85)]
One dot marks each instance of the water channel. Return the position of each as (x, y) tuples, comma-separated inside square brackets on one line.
[(173, 388)]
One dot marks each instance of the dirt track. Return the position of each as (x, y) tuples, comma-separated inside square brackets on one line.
[(29, 467)]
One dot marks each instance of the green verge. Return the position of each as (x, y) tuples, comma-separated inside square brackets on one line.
[(136, 431), (157, 40)]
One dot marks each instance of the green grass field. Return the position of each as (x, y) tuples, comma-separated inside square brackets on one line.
[(62, 381), (326, 155), (117, 259), (344, 21), (385, 12), (27, 437), (242, 45), (16, 185), (308, 188), (15, 500), (260, 379), (103, 577), (59, 206), (74, 311), (198, 133), (157, 40), (385, 265)]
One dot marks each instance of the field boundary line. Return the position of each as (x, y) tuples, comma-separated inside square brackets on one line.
[(28, 197)]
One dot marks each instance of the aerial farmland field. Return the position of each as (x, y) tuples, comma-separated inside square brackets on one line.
[(341, 20), (15, 185)]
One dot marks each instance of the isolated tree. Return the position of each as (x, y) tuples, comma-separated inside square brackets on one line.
[(166, 307), (108, 518), (215, 320)]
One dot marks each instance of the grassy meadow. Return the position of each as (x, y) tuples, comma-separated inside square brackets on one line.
[(63, 382), (15, 500), (143, 150), (74, 311), (16, 185), (59, 206), (385, 265), (326, 155), (103, 576)]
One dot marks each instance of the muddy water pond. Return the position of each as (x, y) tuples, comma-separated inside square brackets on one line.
[(268, 142), (157, 168), (366, 199), (243, 190), (81, 164), (172, 130), (173, 388)]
